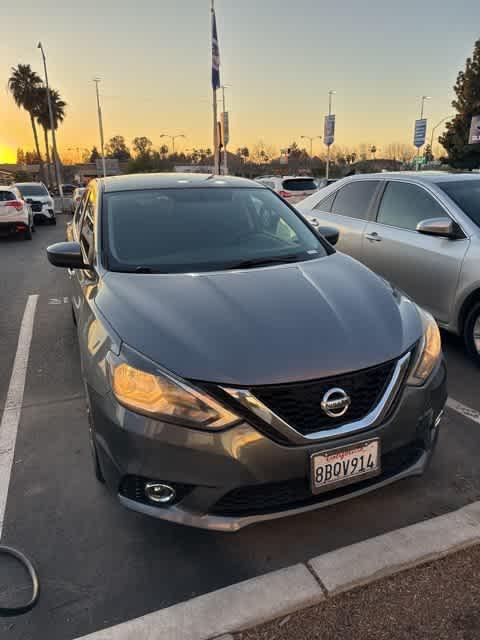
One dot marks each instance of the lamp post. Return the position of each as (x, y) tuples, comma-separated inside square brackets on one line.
[(311, 138), (225, 157), (330, 94), (435, 128), (172, 138), (423, 105), (52, 125), (100, 128)]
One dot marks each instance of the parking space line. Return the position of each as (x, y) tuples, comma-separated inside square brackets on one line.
[(13, 403), (465, 411)]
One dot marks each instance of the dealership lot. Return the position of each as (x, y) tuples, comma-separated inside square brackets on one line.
[(100, 564)]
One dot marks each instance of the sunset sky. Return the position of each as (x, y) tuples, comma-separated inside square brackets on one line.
[(279, 57)]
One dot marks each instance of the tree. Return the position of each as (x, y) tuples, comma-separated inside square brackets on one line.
[(116, 148), (31, 157), (20, 156), (399, 151), (42, 113), (163, 151), (94, 155), (23, 84), (467, 104), (142, 146), (427, 153)]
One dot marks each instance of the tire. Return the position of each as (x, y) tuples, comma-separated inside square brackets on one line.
[(471, 333), (27, 235), (53, 220), (97, 470), (33, 228)]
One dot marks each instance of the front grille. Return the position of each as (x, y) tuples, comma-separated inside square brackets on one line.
[(298, 403), (272, 497), (36, 206)]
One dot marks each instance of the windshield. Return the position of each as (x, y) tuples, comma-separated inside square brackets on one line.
[(300, 184), (32, 190), (194, 230), (465, 193)]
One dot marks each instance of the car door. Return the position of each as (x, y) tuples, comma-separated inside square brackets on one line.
[(426, 267), (347, 209)]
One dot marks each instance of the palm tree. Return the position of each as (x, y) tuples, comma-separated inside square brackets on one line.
[(23, 84), (42, 114)]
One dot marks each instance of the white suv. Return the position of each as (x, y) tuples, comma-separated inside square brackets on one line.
[(292, 188), (15, 214), (38, 197)]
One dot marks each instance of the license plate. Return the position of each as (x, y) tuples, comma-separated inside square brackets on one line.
[(345, 465)]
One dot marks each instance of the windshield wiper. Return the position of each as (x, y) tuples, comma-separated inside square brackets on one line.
[(263, 262)]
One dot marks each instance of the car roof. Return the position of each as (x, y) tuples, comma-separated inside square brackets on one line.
[(418, 176), (4, 187), (173, 180)]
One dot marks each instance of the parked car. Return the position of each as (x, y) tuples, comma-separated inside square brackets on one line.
[(39, 199), (421, 231), (15, 214), (76, 197), (325, 182), (237, 367), (292, 188), (68, 189)]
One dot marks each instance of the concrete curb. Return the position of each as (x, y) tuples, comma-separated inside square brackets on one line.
[(250, 603)]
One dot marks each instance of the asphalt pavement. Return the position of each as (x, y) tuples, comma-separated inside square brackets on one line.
[(101, 564)]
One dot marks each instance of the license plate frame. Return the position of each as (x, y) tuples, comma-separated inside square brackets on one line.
[(346, 480)]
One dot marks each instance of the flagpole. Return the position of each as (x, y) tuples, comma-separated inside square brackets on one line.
[(216, 154)]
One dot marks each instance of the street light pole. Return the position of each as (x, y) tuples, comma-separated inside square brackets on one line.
[(435, 128), (225, 157), (100, 127), (52, 126), (172, 138), (327, 170), (311, 138), (422, 108)]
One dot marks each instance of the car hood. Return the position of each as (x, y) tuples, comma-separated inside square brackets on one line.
[(262, 326)]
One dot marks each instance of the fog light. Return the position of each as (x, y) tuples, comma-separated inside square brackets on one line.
[(160, 493)]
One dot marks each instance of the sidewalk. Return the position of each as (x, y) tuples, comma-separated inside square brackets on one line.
[(437, 601)]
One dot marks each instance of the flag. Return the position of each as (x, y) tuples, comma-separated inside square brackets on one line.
[(215, 53)]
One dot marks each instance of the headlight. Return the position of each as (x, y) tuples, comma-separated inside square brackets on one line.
[(429, 351), (166, 398)]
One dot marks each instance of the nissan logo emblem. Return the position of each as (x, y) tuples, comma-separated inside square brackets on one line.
[(335, 403)]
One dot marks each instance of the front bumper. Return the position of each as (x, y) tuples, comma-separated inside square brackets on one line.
[(46, 213), (240, 476)]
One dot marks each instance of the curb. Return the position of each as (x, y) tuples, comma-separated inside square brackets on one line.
[(252, 602)]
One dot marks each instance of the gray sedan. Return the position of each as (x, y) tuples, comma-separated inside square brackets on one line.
[(237, 367), (421, 231)]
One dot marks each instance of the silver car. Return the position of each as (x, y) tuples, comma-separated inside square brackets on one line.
[(420, 231)]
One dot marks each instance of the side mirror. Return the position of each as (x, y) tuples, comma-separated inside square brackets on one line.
[(443, 227), (67, 255), (329, 233)]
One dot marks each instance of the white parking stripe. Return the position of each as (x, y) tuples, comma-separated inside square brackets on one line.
[(469, 413), (13, 403)]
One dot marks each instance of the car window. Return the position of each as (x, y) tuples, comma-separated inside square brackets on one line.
[(466, 194), (404, 205), (5, 196), (354, 199), (198, 230), (299, 184), (326, 203), (79, 211), (88, 225), (29, 190)]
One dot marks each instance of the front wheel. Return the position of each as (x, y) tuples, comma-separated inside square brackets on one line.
[(53, 220), (27, 234), (471, 333)]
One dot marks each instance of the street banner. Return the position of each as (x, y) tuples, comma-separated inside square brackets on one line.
[(420, 132), (225, 127), (215, 53), (329, 130), (474, 137)]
